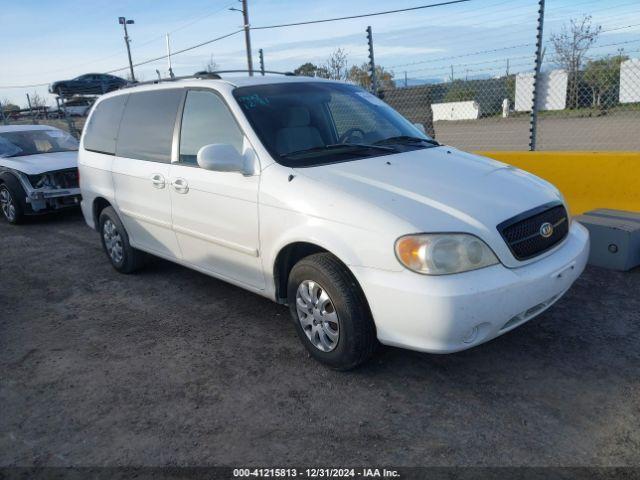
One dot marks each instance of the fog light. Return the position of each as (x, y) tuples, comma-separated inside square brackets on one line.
[(471, 335)]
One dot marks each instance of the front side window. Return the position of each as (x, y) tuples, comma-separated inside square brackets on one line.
[(206, 120), (34, 142), (312, 123), (146, 130)]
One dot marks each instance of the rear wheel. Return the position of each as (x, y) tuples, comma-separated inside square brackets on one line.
[(10, 205), (115, 243), (330, 312)]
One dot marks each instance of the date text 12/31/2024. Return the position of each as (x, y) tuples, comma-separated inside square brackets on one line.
[(315, 473)]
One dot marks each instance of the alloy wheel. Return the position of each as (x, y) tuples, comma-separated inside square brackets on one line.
[(7, 205)]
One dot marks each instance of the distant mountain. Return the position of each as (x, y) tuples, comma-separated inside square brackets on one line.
[(412, 82)]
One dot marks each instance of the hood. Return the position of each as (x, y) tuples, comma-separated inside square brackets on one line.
[(41, 163), (441, 189)]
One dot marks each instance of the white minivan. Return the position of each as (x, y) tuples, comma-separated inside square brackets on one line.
[(318, 195)]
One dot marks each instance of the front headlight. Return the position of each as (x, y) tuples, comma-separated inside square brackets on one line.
[(443, 253)]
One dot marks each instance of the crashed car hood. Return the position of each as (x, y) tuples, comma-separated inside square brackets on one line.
[(41, 163), (439, 189)]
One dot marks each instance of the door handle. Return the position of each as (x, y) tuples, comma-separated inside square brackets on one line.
[(180, 185), (158, 180)]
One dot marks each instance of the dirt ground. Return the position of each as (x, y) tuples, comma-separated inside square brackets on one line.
[(171, 367)]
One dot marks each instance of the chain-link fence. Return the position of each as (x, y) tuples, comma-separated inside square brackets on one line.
[(586, 96), (596, 107)]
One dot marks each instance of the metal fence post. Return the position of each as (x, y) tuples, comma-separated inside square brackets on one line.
[(33, 118), (70, 124), (372, 62), (533, 129), (261, 57)]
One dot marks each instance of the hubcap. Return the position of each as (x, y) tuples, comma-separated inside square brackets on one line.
[(7, 205), (317, 316), (112, 241)]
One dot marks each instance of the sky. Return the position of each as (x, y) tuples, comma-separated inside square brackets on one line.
[(44, 40)]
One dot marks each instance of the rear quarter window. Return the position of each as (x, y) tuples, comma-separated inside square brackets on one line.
[(101, 132), (146, 130)]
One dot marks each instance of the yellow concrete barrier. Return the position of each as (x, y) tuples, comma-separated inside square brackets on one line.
[(588, 180)]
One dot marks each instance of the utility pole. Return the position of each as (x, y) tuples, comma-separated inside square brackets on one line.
[(124, 22), (452, 73), (171, 75), (261, 55), (33, 116), (247, 33), (372, 62), (507, 67), (533, 129), (405, 79)]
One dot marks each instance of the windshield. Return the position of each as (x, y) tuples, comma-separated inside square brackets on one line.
[(33, 142), (311, 123)]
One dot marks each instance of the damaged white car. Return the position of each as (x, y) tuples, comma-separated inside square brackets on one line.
[(38, 171)]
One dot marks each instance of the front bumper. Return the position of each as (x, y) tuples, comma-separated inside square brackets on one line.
[(46, 200), (454, 312)]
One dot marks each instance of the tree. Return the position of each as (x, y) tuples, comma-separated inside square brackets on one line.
[(37, 101), (603, 78), (336, 65), (460, 91), (360, 76), (8, 107), (571, 46), (310, 70)]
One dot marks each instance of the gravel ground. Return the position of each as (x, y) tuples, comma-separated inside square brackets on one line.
[(171, 367)]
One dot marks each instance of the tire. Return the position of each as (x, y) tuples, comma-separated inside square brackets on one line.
[(115, 243), (341, 341), (12, 201)]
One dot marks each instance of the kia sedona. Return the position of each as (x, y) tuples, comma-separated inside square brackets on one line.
[(318, 195)]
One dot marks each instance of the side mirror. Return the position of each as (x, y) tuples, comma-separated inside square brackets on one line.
[(420, 127), (221, 157)]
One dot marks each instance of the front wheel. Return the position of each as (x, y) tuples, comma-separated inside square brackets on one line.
[(330, 312), (9, 204)]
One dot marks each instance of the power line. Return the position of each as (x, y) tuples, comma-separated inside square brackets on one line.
[(177, 52), (463, 55), (350, 17)]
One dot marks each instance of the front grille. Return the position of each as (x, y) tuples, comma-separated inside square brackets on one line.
[(66, 178), (522, 233)]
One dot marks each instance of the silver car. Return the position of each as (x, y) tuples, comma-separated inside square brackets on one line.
[(38, 171)]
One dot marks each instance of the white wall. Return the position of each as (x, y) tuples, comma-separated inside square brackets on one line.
[(552, 93), (455, 111), (630, 81)]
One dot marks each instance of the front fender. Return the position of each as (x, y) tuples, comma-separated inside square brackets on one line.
[(354, 246)]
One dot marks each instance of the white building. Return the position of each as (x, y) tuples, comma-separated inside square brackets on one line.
[(630, 81), (552, 91)]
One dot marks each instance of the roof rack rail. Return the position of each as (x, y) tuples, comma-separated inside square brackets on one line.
[(205, 75)]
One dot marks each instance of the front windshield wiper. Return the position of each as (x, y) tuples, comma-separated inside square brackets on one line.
[(406, 139), (338, 146)]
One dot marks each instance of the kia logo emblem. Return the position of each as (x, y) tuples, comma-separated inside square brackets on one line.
[(546, 230)]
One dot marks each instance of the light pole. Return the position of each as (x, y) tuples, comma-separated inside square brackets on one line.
[(247, 35), (124, 22)]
